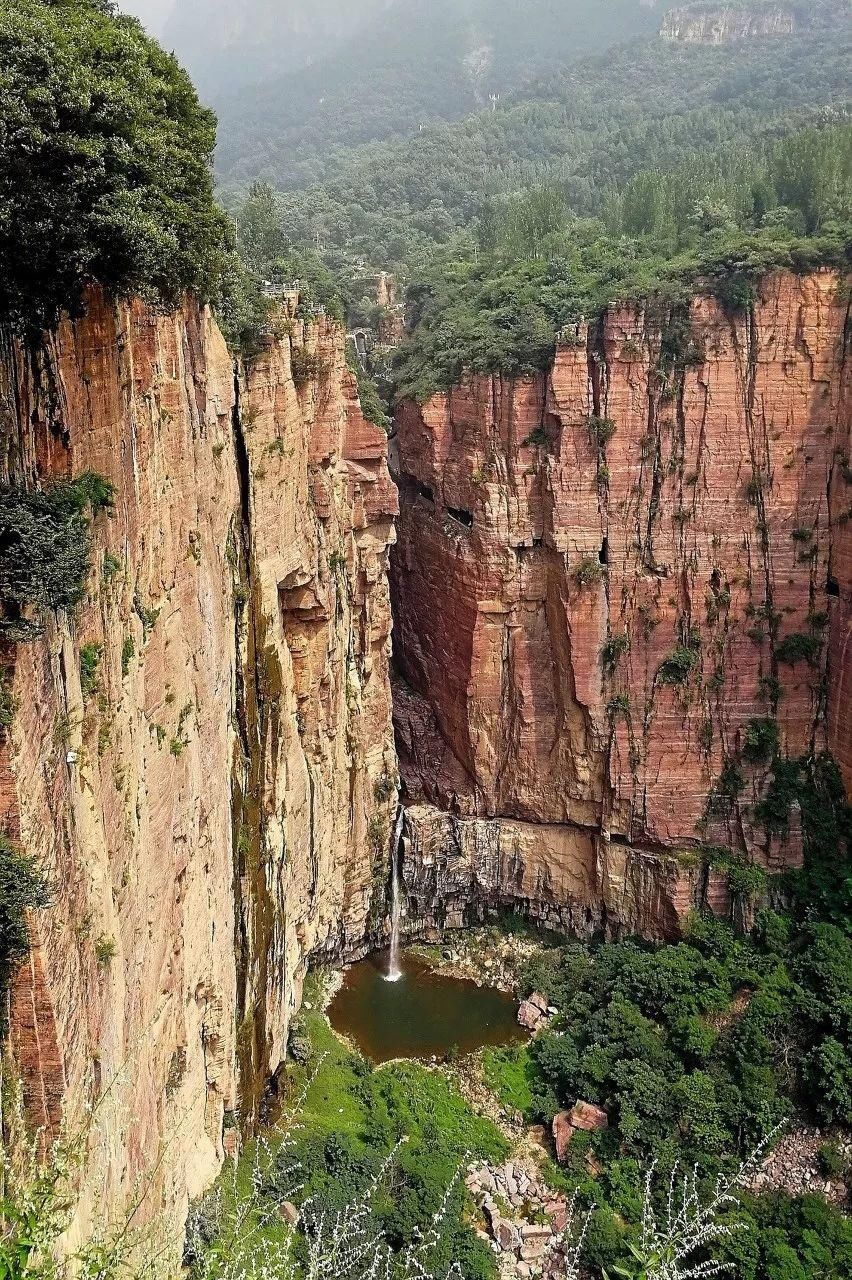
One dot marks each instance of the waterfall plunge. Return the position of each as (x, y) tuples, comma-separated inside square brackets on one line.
[(394, 965)]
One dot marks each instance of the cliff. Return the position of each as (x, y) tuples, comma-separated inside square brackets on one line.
[(614, 585), (723, 23), (213, 806)]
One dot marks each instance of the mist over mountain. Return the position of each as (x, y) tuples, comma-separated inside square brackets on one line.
[(339, 76), (225, 45)]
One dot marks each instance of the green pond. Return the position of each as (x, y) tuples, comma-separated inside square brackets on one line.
[(420, 1015)]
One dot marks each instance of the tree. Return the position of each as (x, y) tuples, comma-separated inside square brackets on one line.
[(105, 164)]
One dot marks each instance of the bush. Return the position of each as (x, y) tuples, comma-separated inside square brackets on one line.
[(8, 704), (601, 430), (307, 366), (105, 164), (760, 740), (44, 543), (22, 889), (90, 661), (613, 650), (798, 647), (678, 666), (588, 572)]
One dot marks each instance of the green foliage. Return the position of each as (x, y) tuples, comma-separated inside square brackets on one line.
[(128, 652), (90, 662), (798, 646), (372, 404), (678, 666), (601, 431), (613, 650), (760, 739), (22, 889), (111, 566), (588, 572), (105, 950), (104, 164), (44, 544), (354, 1116), (306, 366), (8, 703), (411, 67)]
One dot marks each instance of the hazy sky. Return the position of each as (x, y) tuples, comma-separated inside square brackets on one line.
[(152, 12)]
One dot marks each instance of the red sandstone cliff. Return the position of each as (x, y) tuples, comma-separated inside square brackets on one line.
[(218, 806), (545, 577)]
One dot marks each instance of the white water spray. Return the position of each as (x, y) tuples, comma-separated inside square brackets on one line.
[(395, 964)]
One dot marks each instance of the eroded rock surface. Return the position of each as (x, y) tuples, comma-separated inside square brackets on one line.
[(605, 577), (217, 804)]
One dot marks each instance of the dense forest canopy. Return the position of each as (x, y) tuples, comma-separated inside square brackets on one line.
[(588, 127)]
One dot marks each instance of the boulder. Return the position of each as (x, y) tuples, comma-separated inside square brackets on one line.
[(585, 1115), (506, 1236), (289, 1213), (563, 1132), (530, 1016)]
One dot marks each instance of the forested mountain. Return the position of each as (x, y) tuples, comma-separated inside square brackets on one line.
[(407, 65), (589, 128)]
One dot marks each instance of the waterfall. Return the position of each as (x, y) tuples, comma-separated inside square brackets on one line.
[(394, 965)]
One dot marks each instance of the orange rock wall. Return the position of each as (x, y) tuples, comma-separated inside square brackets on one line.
[(216, 807), (525, 546)]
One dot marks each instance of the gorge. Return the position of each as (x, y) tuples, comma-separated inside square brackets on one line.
[(426, 642), (219, 805)]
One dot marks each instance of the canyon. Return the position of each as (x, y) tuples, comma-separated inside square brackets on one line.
[(597, 573)]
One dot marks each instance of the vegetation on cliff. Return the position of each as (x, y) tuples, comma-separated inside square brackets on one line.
[(22, 889), (45, 549), (105, 164), (720, 221)]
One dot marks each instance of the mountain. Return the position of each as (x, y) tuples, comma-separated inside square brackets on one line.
[(403, 66), (224, 45), (589, 127)]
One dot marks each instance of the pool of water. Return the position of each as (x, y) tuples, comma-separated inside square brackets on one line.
[(420, 1015)]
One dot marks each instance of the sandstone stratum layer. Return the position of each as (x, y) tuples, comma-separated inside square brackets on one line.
[(605, 576), (217, 806)]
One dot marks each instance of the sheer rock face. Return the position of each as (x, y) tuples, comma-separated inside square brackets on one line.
[(552, 585), (722, 24), (215, 807)]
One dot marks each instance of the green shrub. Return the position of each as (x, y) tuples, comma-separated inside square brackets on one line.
[(8, 703), (307, 366), (90, 662), (678, 666), (833, 1161), (589, 572), (601, 431), (105, 950), (613, 650), (128, 652), (619, 705), (798, 647), (760, 739), (22, 889), (44, 543), (111, 566)]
